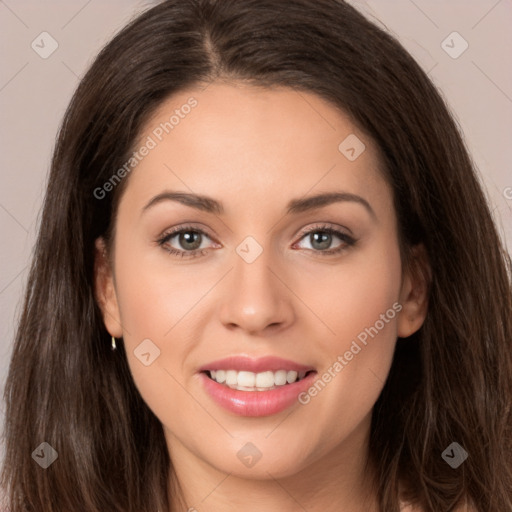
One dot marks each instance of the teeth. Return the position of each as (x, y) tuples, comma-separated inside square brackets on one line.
[(250, 381), (266, 379), (231, 378), (291, 377), (246, 379)]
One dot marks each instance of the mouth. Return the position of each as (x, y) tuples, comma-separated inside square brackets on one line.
[(255, 387), (251, 381)]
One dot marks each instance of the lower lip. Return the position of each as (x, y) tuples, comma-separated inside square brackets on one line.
[(256, 403)]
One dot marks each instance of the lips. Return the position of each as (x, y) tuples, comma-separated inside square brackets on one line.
[(255, 387), (268, 363)]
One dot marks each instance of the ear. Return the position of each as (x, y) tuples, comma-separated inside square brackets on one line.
[(105, 290), (414, 293)]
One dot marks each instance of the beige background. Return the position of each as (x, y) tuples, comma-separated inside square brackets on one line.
[(34, 93)]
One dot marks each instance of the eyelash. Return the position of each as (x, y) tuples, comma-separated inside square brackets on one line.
[(166, 237)]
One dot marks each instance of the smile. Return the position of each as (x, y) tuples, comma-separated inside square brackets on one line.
[(255, 387), (250, 381)]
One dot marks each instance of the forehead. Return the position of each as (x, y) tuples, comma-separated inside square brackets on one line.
[(225, 139)]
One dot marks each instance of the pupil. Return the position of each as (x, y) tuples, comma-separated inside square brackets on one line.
[(324, 244), (190, 237)]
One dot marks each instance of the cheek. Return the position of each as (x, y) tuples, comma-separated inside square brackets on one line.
[(368, 316), (154, 292), (352, 298), (361, 309), (154, 313), (153, 306), (368, 294)]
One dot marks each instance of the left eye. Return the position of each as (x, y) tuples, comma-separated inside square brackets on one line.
[(321, 239)]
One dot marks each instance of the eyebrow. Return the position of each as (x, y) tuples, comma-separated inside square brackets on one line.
[(210, 205)]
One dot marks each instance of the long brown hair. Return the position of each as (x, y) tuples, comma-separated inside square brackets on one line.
[(449, 382)]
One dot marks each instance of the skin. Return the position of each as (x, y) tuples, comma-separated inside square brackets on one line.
[(255, 149)]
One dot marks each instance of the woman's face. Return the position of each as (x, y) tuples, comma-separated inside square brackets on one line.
[(255, 276)]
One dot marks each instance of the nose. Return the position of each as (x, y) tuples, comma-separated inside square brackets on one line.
[(255, 298)]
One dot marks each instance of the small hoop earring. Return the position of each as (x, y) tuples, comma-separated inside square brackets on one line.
[(114, 347)]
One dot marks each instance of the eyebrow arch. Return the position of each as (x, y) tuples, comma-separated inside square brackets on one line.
[(327, 198), (210, 205)]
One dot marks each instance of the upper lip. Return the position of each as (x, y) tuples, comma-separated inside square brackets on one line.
[(244, 363)]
